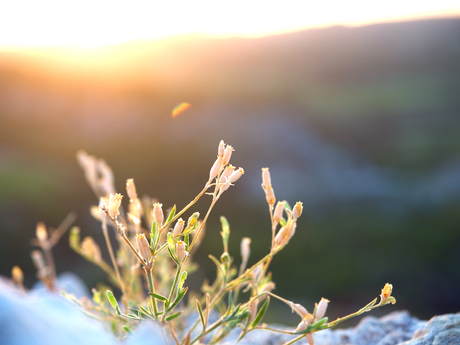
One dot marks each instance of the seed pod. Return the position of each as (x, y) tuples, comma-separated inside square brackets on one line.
[(143, 246), (297, 211), (266, 180), (321, 309), (178, 227), (278, 214), (215, 169), (114, 205), (131, 189), (220, 150), (158, 214), (180, 251), (227, 154)]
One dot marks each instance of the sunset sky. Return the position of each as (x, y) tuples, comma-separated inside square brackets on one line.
[(102, 22)]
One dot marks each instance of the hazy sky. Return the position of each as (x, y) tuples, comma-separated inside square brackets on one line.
[(99, 22)]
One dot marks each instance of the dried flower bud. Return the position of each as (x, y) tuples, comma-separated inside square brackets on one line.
[(158, 214), (227, 154), (299, 309), (270, 195), (215, 169), (143, 246), (285, 234), (114, 205), (179, 227), (253, 308), (41, 233), (220, 150), (385, 296), (229, 169), (278, 214), (297, 210), (131, 189), (91, 249), (321, 309), (236, 175), (17, 275), (266, 180), (245, 249), (180, 251)]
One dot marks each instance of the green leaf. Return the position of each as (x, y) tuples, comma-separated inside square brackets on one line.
[(169, 318), (218, 264), (200, 311), (171, 215), (74, 238), (158, 296), (170, 240), (225, 233), (112, 299), (178, 299), (144, 311), (282, 221), (127, 329), (182, 281), (153, 235), (261, 313), (287, 206), (173, 256), (187, 242), (319, 323), (230, 302)]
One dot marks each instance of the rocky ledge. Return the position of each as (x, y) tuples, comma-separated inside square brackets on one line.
[(40, 317)]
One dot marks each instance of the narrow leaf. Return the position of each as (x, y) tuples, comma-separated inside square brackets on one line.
[(173, 256), (182, 281), (169, 318), (145, 311), (127, 330), (200, 311), (178, 299), (218, 264), (112, 299), (261, 313), (153, 235), (158, 296), (171, 215)]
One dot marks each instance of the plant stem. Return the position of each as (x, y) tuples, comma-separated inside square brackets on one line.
[(112, 256), (171, 293), (148, 271)]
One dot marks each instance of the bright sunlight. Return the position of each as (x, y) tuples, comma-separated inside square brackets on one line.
[(103, 22)]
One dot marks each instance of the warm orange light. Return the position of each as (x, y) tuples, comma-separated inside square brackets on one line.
[(103, 22), (180, 108)]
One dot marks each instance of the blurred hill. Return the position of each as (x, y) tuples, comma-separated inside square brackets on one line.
[(362, 124)]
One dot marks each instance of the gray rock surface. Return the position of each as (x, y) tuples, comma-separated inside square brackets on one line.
[(41, 317)]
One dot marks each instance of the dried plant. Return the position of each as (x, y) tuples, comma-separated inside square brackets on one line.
[(150, 267)]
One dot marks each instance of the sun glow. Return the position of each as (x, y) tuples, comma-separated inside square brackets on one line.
[(102, 22)]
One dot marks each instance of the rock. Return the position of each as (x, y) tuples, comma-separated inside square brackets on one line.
[(42, 317), (45, 318), (443, 329)]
